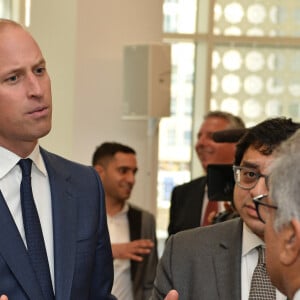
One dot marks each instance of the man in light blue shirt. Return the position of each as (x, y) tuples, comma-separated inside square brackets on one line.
[(60, 201)]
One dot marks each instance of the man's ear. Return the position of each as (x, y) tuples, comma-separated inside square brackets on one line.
[(99, 169), (291, 242)]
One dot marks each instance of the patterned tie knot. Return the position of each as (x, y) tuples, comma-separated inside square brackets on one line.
[(261, 255), (25, 165), (261, 286)]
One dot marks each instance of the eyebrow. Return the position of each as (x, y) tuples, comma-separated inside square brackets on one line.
[(128, 168), (251, 165), (42, 61)]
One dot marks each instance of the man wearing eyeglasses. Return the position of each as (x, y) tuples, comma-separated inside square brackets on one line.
[(218, 262), (281, 214)]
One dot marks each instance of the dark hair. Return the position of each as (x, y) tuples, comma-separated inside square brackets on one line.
[(108, 150), (265, 136), (235, 122)]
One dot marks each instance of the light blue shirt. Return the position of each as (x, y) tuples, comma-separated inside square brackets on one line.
[(10, 180)]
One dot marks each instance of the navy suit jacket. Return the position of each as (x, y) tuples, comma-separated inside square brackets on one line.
[(186, 205), (82, 253)]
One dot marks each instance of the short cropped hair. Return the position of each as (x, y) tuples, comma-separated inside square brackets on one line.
[(234, 122), (285, 181), (265, 136), (6, 22), (107, 151)]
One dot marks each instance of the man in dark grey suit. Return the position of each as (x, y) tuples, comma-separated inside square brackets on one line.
[(68, 199), (280, 210), (189, 200), (217, 262), (132, 229)]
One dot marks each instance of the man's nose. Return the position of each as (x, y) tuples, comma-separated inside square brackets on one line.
[(260, 187), (34, 87), (131, 177), (203, 139)]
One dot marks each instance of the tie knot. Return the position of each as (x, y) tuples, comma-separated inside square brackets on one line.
[(261, 255), (25, 165)]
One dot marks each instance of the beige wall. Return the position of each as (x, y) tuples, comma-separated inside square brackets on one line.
[(83, 43)]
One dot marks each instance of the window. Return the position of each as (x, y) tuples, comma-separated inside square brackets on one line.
[(16, 10), (5, 9), (238, 56)]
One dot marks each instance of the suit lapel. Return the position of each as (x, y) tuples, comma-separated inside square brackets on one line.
[(135, 223), (228, 263), (196, 196), (135, 227), (200, 195), (13, 251), (64, 225)]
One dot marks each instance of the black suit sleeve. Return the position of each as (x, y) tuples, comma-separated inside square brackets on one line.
[(186, 205)]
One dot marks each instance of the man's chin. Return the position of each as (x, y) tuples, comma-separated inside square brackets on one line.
[(256, 226), (126, 196), (41, 130), (204, 166)]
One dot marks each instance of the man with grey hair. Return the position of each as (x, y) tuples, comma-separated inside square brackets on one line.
[(281, 213), (189, 202)]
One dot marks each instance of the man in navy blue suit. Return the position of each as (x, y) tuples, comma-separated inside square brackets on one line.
[(69, 197)]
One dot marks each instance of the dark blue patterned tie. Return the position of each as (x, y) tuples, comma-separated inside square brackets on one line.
[(33, 232)]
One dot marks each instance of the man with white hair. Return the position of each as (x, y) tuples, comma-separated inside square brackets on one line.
[(281, 214)]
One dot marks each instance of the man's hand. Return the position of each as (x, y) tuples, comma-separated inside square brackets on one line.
[(172, 295), (133, 250)]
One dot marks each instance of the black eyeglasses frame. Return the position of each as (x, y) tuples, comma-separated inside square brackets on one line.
[(257, 201), (257, 175)]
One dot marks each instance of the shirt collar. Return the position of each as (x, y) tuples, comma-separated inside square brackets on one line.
[(297, 295), (122, 212), (124, 209), (8, 160), (37, 159), (250, 240)]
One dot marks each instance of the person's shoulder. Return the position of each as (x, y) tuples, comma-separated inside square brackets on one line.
[(195, 182), (185, 247), (54, 158), (212, 233), (140, 210)]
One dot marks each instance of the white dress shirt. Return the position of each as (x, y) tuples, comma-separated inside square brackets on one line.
[(10, 180), (297, 295), (249, 262), (118, 227)]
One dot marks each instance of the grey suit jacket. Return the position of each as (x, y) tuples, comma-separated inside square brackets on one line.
[(82, 253), (142, 226), (186, 205), (202, 263)]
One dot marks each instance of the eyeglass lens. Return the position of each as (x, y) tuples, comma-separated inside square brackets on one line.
[(247, 178)]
